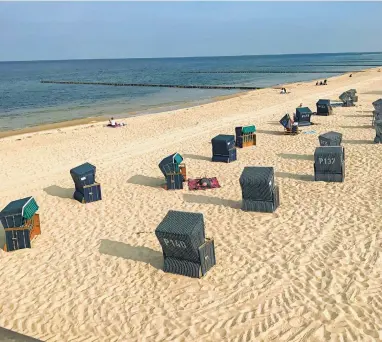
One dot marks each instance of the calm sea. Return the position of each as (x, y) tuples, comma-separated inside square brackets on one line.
[(24, 101)]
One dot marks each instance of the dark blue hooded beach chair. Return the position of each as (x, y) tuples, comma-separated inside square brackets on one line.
[(223, 148), (87, 190), (186, 250), (258, 188)]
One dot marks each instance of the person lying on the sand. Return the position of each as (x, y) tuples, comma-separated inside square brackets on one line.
[(113, 123)]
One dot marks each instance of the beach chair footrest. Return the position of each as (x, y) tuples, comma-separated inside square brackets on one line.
[(263, 206)]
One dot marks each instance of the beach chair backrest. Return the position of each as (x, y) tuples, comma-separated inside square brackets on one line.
[(257, 183), (83, 175), (170, 164), (286, 121), (222, 143)]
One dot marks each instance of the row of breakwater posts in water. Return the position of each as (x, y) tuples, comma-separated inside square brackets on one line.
[(184, 86), (153, 85)]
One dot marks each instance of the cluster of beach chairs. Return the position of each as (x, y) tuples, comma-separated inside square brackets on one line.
[(186, 250)]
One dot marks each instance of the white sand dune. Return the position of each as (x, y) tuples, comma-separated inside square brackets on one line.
[(312, 271)]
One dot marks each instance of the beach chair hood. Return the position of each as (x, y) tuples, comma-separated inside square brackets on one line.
[(170, 164), (17, 212)]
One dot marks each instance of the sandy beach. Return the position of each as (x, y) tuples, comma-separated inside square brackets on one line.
[(309, 272)]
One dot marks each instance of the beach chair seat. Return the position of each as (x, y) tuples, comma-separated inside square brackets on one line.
[(89, 193), (174, 181), (225, 158), (263, 206), (295, 130), (191, 268)]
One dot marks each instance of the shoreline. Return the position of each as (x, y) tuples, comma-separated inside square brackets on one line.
[(120, 116), (155, 110)]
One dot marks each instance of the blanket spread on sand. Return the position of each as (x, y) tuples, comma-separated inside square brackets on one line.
[(194, 184)]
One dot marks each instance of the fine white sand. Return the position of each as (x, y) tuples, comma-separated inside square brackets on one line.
[(312, 271)]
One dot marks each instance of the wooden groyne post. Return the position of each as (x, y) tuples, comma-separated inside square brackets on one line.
[(153, 85)]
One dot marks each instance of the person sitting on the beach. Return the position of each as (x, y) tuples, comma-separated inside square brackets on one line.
[(316, 83), (325, 82), (320, 82), (112, 122), (351, 75)]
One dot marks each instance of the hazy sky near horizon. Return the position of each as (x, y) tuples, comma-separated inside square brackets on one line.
[(71, 30)]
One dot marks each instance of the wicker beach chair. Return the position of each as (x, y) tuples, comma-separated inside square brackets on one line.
[(259, 192), (223, 148), (324, 107), (303, 115), (329, 164), (19, 224), (186, 250), (87, 189)]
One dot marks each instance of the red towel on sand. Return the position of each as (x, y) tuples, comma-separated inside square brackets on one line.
[(193, 184)]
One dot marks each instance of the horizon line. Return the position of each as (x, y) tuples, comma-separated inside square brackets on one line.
[(222, 56)]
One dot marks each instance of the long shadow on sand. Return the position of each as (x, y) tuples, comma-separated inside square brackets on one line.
[(196, 156), (135, 253), (296, 156), (199, 199), (57, 191), (359, 142), (359, 116), (305, 178), (361, 126), (146, 181), (274, 123), (270, 132), (12, 336)]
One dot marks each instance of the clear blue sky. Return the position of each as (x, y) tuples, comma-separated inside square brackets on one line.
[(38, 31)]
